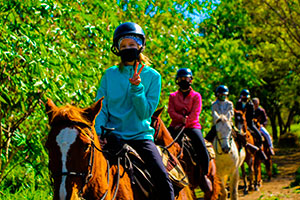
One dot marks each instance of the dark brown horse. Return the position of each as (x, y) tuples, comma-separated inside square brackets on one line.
[(252, 159), (241, 124), (164, 138), (77, 163), (268, 162)]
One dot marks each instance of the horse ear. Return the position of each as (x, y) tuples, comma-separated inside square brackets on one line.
[(50, 106), (92, 111), (158, 112)]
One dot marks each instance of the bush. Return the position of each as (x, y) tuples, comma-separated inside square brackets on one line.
[(288, 140), (297, 179)]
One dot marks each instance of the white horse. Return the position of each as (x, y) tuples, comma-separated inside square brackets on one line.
[(228, 158)]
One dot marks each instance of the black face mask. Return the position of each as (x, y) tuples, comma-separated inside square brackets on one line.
[(244, 99), (129, 55), (184, 85)]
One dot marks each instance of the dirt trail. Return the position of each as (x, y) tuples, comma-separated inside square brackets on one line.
[(288, 161)]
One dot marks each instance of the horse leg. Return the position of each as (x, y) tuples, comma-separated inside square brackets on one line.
[(268, 164), (244, 178), (215, 180), (224, 192), (257, 174), (251, 172), (206, 187), (234, 183), (259, 180)]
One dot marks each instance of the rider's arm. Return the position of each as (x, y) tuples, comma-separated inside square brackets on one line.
[(264, 118), (102, 117), (145, 102), (176, 117), (230, 111), (215, 114), (196, 109)]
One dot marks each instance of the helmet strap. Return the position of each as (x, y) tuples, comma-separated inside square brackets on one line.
[(115, 50)]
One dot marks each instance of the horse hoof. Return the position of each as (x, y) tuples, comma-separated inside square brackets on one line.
[(246, 192), (256, 188)]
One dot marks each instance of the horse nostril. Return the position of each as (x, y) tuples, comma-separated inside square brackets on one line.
[(225, 150)]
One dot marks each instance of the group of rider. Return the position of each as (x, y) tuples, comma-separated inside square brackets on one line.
[(132, 91)]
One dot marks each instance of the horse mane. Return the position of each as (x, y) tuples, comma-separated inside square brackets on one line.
[(69, 113)]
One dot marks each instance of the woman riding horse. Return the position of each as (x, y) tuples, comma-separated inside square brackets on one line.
[(184, 109), (132, 92), (220, 108)]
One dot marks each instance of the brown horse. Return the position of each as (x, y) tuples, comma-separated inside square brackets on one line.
[(76, 160), (253, 161), (164, 138), (268, 162), (241, 124), (78, 169)]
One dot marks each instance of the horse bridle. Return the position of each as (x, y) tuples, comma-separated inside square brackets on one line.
[(156, 127), (223, 138), (86, 176)]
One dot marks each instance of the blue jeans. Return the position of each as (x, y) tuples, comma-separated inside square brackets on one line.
[(149, 153), (266, 134)]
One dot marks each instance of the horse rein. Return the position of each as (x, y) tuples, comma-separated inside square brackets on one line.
[(157, 126), (87, 176), (223, 138), (157, 129)]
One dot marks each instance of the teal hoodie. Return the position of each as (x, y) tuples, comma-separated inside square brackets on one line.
[(128, 108)]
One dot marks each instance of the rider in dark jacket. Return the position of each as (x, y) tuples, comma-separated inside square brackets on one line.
[(262, 119), (245, 104)]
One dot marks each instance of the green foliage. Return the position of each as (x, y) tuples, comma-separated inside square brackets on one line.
[(59, 49)]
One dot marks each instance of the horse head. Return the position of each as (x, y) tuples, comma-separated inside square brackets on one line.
[(70, 144), (240, 120), (224, 136), (162, 136)]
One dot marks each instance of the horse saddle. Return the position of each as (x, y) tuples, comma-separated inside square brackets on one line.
[(136, 168), (186, 144)]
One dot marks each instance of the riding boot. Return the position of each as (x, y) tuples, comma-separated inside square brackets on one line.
[(207, 184), (272, 152), (251, 147), (262, 154)]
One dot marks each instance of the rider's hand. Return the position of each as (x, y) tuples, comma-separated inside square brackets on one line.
[(223, 118), (136, 79), (103, 142), (184, 119)]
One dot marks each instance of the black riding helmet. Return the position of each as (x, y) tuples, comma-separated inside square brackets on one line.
[(222, 89), (245, 93), (127, 28), (184, 72)]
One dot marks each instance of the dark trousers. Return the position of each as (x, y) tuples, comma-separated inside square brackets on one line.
[(149, 153), (255, 132), (198, 144)]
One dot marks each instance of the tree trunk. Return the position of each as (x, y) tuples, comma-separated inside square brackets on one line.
[(280, 122), (274, 126), (289, 120)]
